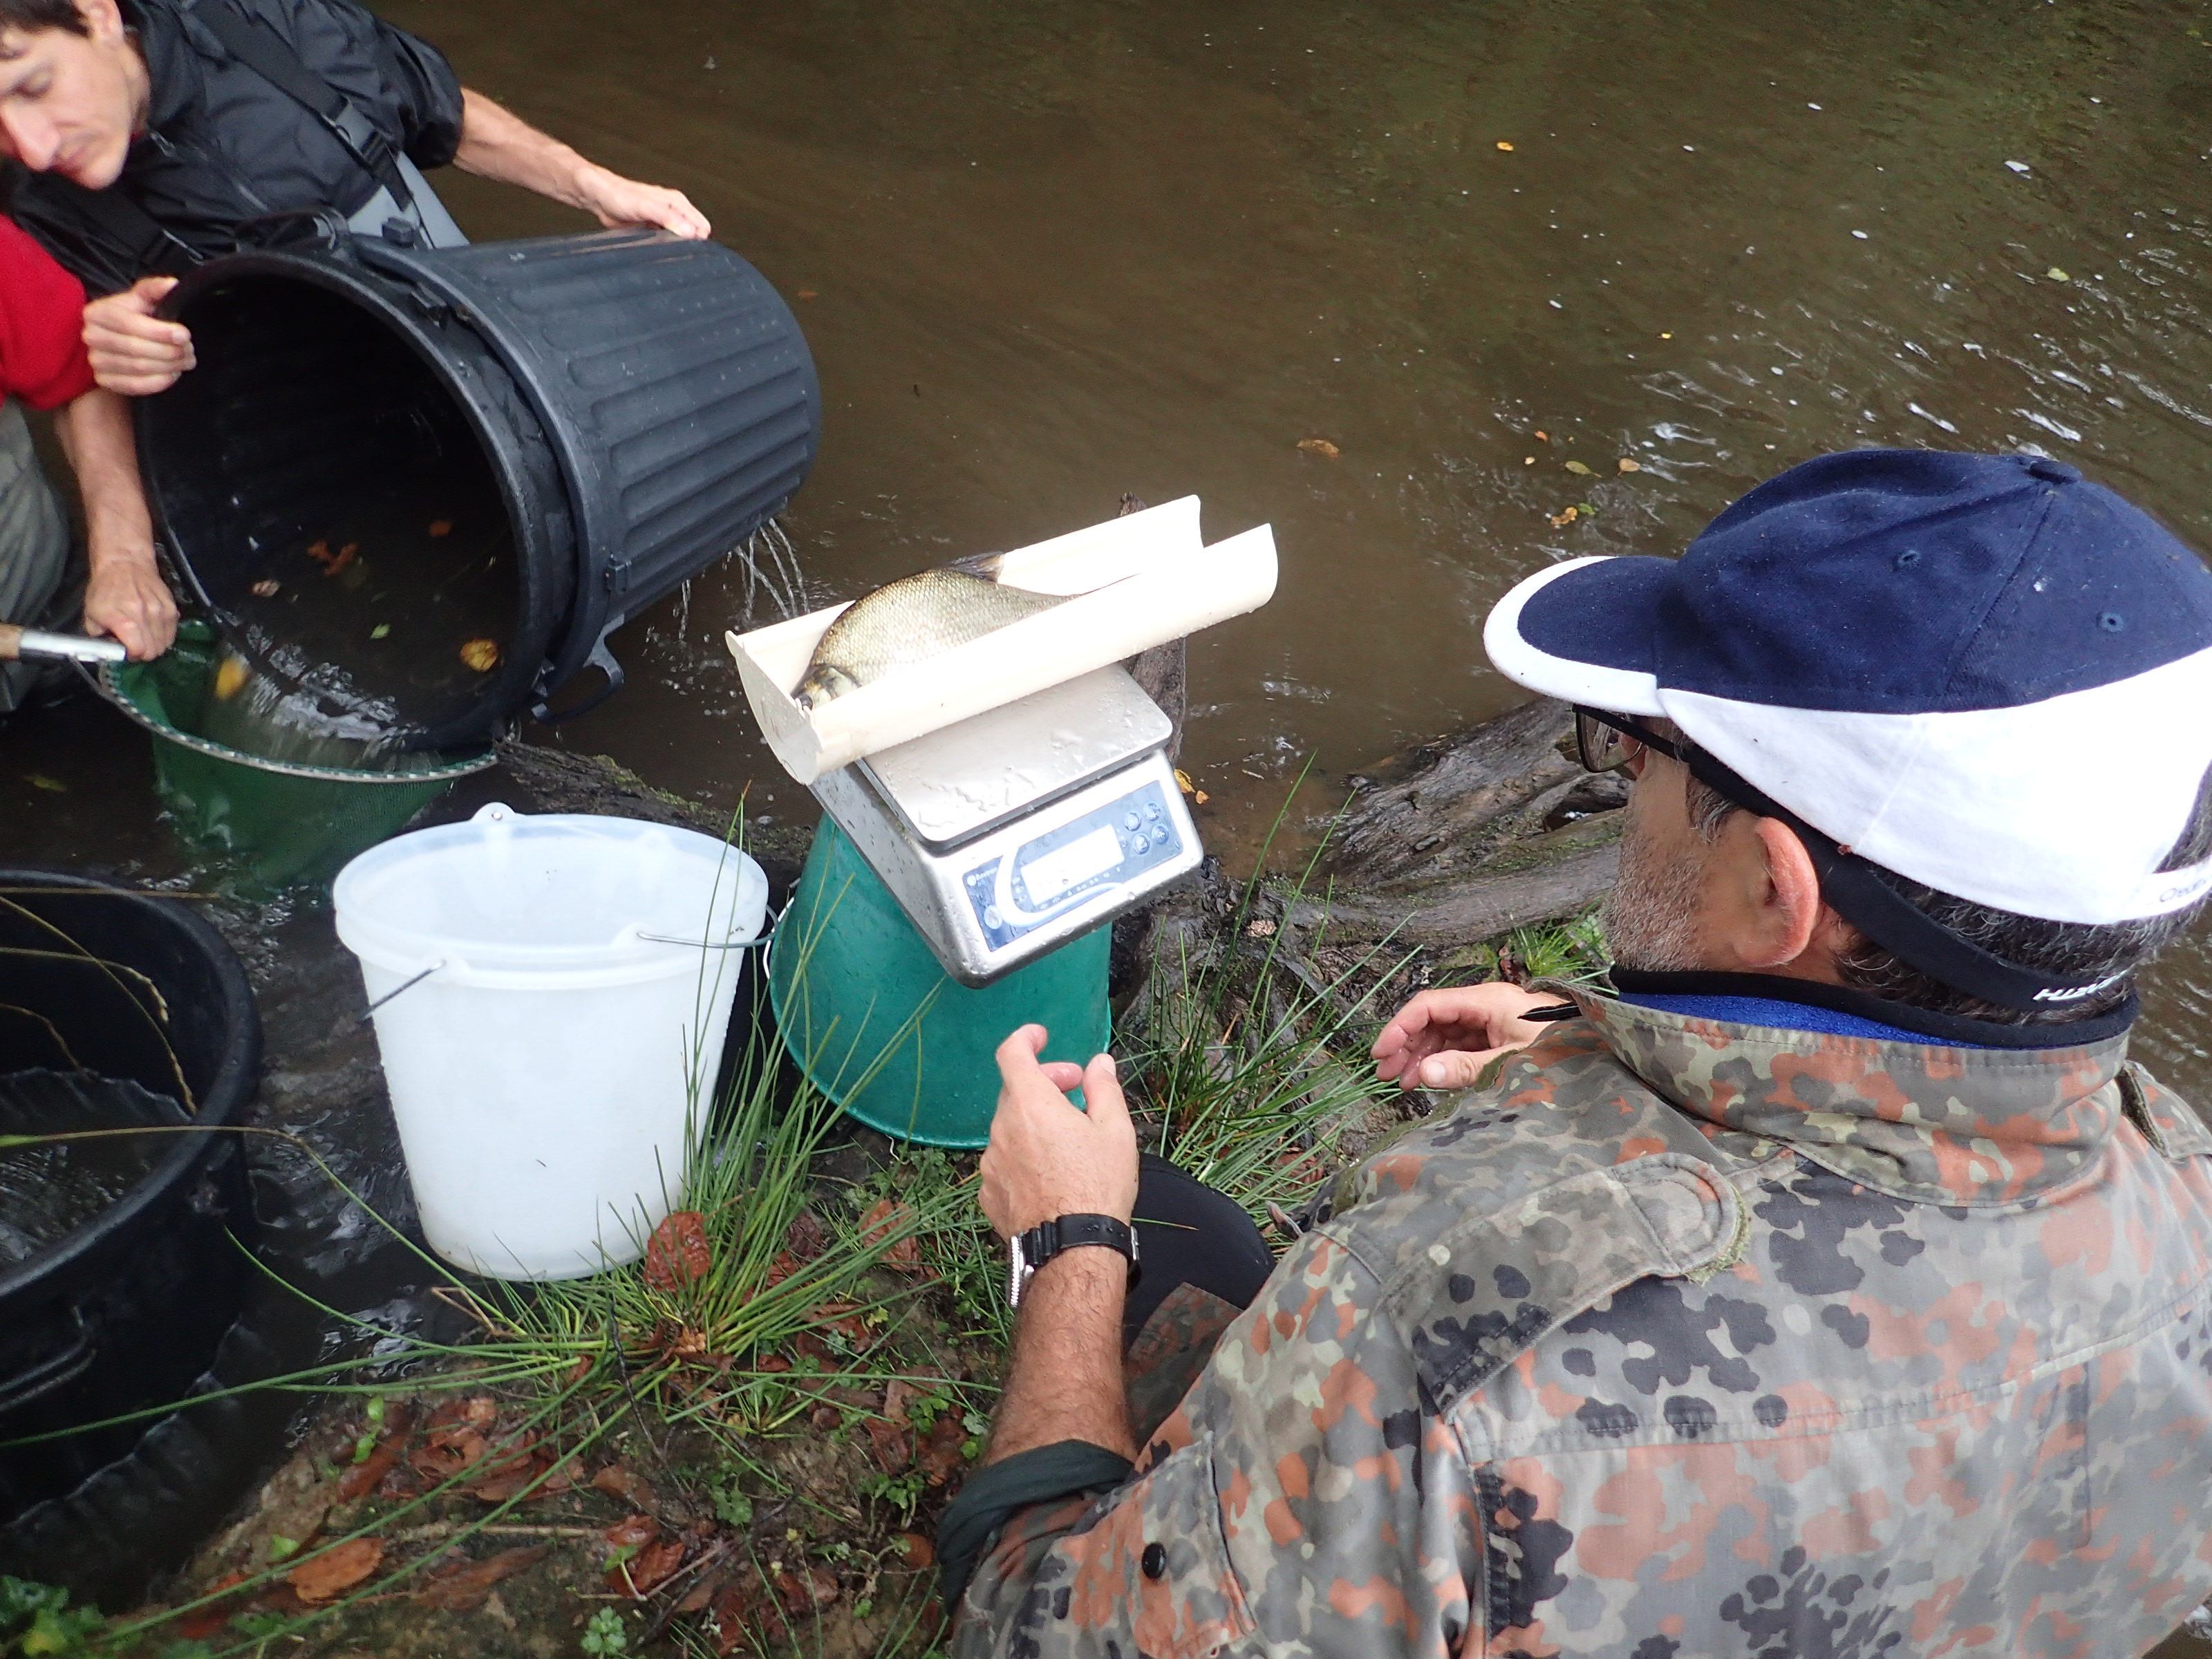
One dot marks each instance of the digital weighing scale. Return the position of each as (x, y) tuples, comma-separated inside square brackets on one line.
[(1005, 835)]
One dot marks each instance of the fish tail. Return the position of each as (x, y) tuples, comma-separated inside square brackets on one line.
[(986, 565)]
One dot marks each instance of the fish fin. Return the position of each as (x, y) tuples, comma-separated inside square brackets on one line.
[(986, 565)]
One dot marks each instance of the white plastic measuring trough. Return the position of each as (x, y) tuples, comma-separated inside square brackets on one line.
[(552, 996), (1139, 581)]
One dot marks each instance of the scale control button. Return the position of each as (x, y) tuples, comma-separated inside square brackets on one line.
[(991, 916), (1139, 844), (1151, 809), (1129, 820)]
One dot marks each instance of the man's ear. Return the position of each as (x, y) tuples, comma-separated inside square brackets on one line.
[(103, 20), (1795, 914)]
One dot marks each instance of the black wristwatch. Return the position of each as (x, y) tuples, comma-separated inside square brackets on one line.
[(1032, 1249)]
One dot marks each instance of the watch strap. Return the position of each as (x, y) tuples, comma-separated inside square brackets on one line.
[(1041, 1244)]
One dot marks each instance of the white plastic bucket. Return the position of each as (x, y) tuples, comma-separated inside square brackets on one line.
[(552, 1064)]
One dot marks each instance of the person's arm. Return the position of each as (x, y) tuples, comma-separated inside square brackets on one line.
[(496, 143), (124, 595), (1047, 1158)]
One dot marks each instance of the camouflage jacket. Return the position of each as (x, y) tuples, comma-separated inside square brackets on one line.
[(1687, 1338)]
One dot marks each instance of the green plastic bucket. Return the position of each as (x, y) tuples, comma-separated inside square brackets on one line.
[(876, 1024), (274, 825)]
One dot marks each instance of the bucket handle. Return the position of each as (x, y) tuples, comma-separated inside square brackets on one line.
[(409, 985), (698, 944)]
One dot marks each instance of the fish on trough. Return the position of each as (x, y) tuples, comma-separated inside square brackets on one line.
[(911, 620)]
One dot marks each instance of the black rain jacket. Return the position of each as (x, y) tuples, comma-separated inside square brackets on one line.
[(231, 161)]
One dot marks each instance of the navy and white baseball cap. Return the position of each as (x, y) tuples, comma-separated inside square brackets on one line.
[(1983, 673)]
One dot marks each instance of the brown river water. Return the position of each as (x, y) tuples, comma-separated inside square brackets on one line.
[(1046, 253)]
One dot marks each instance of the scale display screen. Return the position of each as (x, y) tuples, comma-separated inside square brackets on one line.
[(1083, 864), (1080, 860)]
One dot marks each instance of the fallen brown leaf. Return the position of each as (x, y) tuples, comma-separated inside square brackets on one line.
[(915, 1551), (463, 1589), (203, 1622), (1628, 465), (895, 1396), (1543, 437), (364, 1477), (654, 1566), (1320, 446), (808, 1237), (1504, 144), (335, 1571), (677, 1254), (632, 1488), (888, 1216), (481, 656), (1580, 469), (816, 1587), (827, 1418), (891, 1444), (808, 294), (940, 1456)]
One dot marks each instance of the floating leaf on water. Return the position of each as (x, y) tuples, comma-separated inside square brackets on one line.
[(337, 1570), (1528, 460), (1504, 144), (230, 677), (380, 630), (808, 294), (2058, 275), (267, 588), (441, 528), (1543, 437), (1578, 469), (1562, 519), (1628, 465), (677, 1254), (1666, 334), (51, 786), (1183, 782), (1199, 798), (1321, 447), (482, 656)]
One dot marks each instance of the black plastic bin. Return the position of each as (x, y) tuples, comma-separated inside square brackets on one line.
[(125, 1312), (524, 443)]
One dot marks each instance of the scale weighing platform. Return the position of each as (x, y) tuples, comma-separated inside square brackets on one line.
[(1007, 834)]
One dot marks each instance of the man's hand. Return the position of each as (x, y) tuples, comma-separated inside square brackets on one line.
[(1442, 1039), (133, 351), (616, 202), (127, 598), (1047, 1158)]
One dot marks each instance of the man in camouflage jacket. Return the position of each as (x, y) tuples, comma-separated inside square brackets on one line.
[(1809, 1296)]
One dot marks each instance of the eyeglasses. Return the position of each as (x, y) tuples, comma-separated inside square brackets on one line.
[(1606, 743)]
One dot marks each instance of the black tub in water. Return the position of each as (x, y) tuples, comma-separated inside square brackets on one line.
[(440, 478), (114, 1006)]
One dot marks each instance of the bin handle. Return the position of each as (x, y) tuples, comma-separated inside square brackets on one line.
[(43, 1378), (603, 660)]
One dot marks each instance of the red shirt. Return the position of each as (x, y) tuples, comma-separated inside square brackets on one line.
[(42, 357)]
